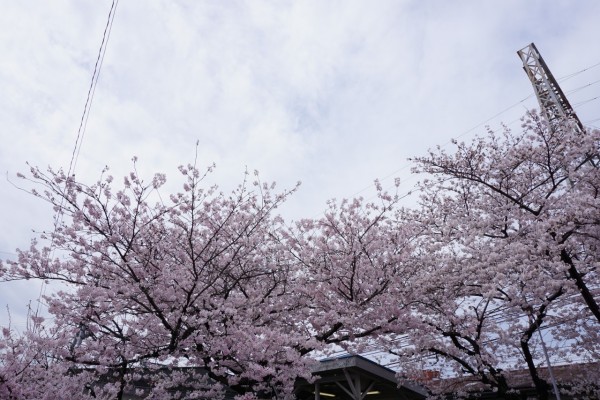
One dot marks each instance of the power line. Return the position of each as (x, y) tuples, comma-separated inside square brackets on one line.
[(569, 76), (82, 125), (586, 101), (582, 87), (92, 89), (508, 108)]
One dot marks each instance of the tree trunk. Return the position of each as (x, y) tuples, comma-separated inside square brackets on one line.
[(583, 289), (541, 386), (503, 390)]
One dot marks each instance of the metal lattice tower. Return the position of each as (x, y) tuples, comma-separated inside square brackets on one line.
[(554, 105)]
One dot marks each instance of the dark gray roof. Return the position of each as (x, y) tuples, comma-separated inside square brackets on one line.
[(339, 376)]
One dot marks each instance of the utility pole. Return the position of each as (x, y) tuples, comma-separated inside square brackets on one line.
[(554, 105)]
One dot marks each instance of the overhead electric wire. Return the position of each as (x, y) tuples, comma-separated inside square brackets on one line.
[(407, 165), (92, 89), (82, 126), (582, 87), (561, 79), (569, 76), (586, 101)]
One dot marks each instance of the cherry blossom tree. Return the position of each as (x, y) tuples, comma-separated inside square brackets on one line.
[(196, 280), (203, 279), (502, 248), (510, 243)]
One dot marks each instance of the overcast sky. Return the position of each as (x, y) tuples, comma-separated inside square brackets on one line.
[(330, 93)]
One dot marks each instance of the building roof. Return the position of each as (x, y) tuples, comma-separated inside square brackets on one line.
[(356, 377)]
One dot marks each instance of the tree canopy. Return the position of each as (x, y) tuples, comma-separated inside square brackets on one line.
[(500, 252)]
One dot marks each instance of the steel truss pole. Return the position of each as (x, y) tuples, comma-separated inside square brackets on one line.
[(554, 105)]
